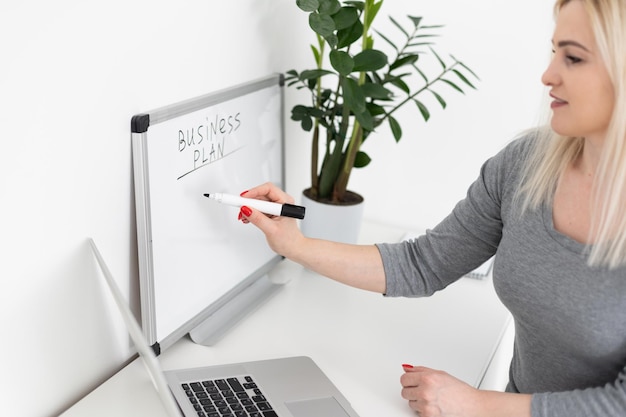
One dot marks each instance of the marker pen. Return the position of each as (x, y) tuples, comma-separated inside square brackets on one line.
[(267, 207)]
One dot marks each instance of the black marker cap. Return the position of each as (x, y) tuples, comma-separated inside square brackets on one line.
[(291, 210)]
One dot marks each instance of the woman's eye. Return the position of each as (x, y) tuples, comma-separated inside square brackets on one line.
[(572, 59)]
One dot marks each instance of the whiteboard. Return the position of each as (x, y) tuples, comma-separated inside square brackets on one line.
[(193, 253)]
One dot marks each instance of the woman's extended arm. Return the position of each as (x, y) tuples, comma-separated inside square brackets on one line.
[(359, 266)]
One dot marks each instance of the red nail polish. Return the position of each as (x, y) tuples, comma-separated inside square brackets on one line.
[(246, 211), (241, 195), (408, 366), (239, 216)]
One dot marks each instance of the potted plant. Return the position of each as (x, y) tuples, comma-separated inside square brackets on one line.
[(354, 88)]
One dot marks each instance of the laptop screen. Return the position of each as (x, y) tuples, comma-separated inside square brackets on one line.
[(145, 352)]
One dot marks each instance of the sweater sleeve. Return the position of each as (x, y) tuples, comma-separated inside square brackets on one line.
[(606, 401), (465, 239)]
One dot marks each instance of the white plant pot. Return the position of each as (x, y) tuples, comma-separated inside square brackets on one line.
[(339, 223)]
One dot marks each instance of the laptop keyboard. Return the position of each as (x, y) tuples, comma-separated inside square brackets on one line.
[(229, 397)]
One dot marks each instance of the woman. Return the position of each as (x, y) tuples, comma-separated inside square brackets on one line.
[(552, 207)]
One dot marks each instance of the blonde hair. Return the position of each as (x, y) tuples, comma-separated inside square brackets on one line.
[(552, 153)]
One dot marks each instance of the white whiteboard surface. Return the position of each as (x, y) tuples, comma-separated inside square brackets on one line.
[(192, 250)]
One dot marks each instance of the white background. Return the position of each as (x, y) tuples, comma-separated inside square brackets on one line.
[(74, 72)]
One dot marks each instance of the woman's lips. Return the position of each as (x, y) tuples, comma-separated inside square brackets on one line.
[(557, 102)]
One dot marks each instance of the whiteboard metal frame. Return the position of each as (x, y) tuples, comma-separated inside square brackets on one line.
[(211, 323)]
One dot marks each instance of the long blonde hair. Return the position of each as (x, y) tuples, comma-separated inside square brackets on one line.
[(553, 152)]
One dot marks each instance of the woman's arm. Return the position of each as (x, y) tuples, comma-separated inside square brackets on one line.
[(359, 266)]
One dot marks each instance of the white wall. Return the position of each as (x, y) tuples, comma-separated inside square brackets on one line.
[(74, 73)]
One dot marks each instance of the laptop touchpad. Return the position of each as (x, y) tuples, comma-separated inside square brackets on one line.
[(327, 407)]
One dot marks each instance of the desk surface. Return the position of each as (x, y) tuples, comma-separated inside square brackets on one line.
[(359, 339)]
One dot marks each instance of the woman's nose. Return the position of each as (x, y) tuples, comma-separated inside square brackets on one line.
[(550, 75)]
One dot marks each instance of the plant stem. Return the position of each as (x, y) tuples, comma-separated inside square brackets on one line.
[(356, 139), (316, 129)]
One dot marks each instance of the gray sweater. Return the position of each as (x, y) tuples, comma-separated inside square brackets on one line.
[(570, 319)]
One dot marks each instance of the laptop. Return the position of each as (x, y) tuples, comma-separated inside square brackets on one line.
[(283, 387)]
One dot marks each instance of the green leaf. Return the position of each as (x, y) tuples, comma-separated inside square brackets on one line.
[(306, 124), (299, 109), (349, 35), (374, 77), (369, 60), (361, 159), (405, 60), (426, 35), (399, 26), (387, 40), (439, 99), (443, 64), (342, 62), (401, 85), (291, 77), (467, 68), (416, 20), (372, 12), (308, 5), (332, 40), (423, 110), (453, 85), (325, 95), (313, 74), (375, 109), (329, 7), (321, 24), (300, 114), (462, 77), (420, 72), (317, 113), (353, 95), (396, 129), (345, 17), (376, 91), (432, 26), (365, 119), (358, 4), (316, 53)]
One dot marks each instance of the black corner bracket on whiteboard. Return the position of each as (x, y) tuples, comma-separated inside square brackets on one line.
[(140, 123), (156, 348)]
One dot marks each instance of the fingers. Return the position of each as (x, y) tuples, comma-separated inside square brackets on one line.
[(432, 392), (282, 233), (248, 215), (414, 375), (271, 226), (410, 368)]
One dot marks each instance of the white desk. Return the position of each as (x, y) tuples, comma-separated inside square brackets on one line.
[(359, 339)]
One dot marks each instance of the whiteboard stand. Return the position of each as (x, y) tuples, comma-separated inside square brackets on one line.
[(225, 318)]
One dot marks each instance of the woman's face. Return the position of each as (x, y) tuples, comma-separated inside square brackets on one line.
[(581, 90)]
